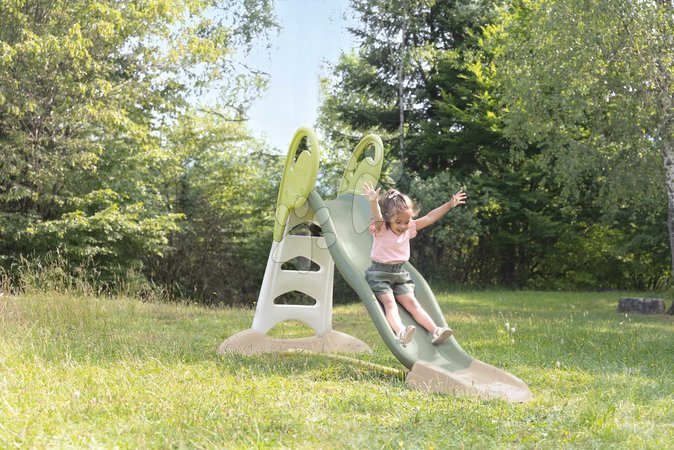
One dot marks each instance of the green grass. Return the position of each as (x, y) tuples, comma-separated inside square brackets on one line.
[(93, 372)]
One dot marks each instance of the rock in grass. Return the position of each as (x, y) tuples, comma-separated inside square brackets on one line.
[(641, 305)]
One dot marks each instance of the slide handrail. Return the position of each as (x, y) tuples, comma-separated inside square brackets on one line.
[(298, 180), (361, 169)]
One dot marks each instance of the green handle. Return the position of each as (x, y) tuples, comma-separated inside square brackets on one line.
[(359, 171), (299, 177)]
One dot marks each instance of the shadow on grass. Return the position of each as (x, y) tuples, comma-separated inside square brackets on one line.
[(313, 366)]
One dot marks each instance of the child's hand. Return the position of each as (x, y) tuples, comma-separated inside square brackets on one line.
[(369, 192), (458, 199)]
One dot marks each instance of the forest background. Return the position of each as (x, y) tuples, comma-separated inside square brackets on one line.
[(555, 116)]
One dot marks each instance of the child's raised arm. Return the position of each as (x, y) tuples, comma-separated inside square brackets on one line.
[(373, 197), (457, 199)]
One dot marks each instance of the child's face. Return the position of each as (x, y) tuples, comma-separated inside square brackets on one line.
[(400, 221)]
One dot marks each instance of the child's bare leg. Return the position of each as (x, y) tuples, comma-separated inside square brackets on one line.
[(411, 304), (391, 311)]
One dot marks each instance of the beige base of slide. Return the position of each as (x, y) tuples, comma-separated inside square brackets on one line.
[(251, 342), (479, 379)]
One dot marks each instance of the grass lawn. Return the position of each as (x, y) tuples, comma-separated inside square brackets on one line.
[(94, 372)]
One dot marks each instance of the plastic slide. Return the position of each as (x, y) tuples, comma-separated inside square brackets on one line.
[(346, 242), (438, 368)]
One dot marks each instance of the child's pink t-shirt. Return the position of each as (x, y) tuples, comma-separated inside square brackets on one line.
[(388, 247)]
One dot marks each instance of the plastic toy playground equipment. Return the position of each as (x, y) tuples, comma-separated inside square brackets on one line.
[(345, 242)]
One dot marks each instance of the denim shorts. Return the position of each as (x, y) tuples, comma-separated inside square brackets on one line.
[(389, 278)]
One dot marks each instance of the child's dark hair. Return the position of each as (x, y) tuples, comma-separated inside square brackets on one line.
[(392, 201)]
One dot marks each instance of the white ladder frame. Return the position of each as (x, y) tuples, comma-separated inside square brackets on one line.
[(278, 281)]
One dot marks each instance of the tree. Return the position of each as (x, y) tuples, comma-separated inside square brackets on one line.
[(453, 134), (88, 90), (225, 188), (403, 44), (592, 84)]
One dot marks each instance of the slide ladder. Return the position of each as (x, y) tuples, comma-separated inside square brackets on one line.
[(289, 268)]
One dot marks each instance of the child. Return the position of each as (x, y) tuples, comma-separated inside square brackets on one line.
[(392, 228)]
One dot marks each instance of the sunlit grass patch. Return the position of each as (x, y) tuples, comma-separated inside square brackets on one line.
[(83, 371)]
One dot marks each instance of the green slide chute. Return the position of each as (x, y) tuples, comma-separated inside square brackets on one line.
[(439, 368)]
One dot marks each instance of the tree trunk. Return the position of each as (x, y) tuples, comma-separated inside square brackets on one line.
[(668, 154), (666, 106)]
